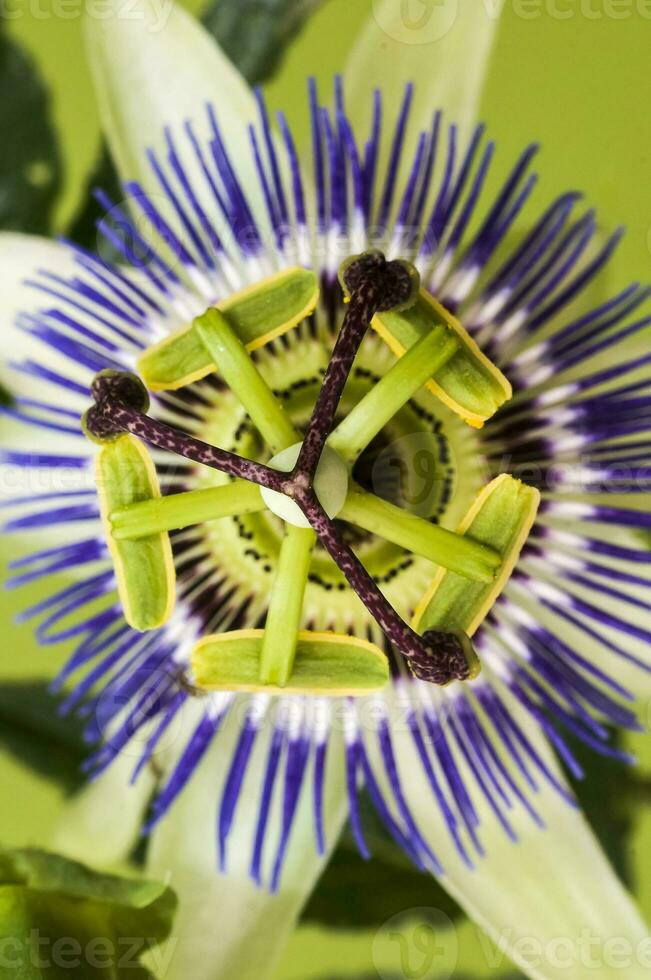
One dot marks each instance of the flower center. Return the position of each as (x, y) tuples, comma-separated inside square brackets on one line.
[(330, 485), (437, 646), (424, 460)]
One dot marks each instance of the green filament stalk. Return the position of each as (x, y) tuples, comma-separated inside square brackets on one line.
[(235, 365), (462, 555), (286, 606), (185, 509), (392, 392)]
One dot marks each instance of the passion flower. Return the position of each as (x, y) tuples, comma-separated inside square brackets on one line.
[(296, 531)]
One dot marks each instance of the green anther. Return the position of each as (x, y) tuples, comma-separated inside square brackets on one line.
[(257, 315), (501, 518), (236, 367), (286, 606), (144, 569), (473, 560), (326, 664), (468, 383), (421, 362), (180, 510)]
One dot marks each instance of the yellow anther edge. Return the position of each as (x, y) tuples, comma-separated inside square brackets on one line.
[(472, 418), (505, 569), (224, 306), (116, 547), (336, 639)]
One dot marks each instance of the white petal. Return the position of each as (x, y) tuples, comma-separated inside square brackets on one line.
[(550, 901), (155, 66), (443, 47), (101, 825), (21, 256), (634, 678), (226, 925)]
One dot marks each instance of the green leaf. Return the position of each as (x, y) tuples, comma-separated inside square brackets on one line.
[(60, 919), (612, 814), (357, 894), (256, 33), (35, 734), (30, 166), (401, 976)]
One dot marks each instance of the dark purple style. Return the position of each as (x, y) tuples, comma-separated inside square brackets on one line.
[(374, 284)]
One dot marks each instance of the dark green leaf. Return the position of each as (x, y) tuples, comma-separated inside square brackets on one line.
[(357, 894), (256, 33), (60, 919), (611, 814), (30, 167), (33, 732)]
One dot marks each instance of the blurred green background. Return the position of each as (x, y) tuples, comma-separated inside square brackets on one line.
[(582, 86)]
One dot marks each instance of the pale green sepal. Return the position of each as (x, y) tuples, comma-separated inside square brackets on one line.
[(327, 664), (501, 517), (257, 315), (227, 926), (468, 383), (144, 569), (442, 46), (549, 900), (154, 66)]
